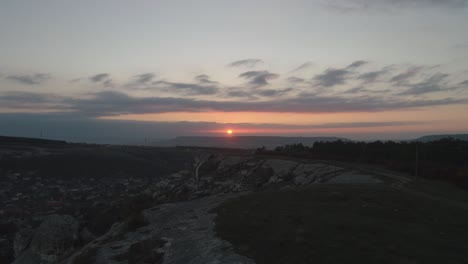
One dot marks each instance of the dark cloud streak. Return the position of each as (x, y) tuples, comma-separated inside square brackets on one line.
[(99, 77), (294, 79), (332, 77), (110, 103), (186, 88), (115, 103), (258, 78), (435, 83), (144, 78), (303, 66), (385, 5), (371, 77), (357, 64), (103, 78), (248, 63), (33, 79), (203, 78), (404, 77)]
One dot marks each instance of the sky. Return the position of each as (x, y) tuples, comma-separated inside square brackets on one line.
[(362, 69)]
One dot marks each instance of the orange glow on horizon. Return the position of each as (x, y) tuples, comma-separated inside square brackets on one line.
[(440, 120), (229, 131)]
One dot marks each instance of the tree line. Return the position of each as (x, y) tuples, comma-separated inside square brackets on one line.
[(445, 159)]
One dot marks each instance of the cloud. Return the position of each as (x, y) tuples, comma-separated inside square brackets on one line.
[(31, 100), (357, 64), (355, 90), (75, 80), (404, 77), (186, 88), (273, 92), (99, 77), (361, 89), (111, 103), (239, 93), (332, 77), (364, 124), (204, 85), (203, 78), (424, 3), (373, 76), (294, 79), (102, 78), (33, 79), (141, 81), (464, 83), (381, 5), (303, 66), (435, 83), (461, 46), (258, 78), (253, 94), (144, 78), (248, 63)]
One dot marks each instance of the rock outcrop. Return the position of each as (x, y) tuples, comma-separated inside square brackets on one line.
[(6, 252), (22, 240), (52, 241), (177, 233), (177, 224)]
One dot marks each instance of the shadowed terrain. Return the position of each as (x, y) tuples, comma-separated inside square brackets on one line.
[(78, 203), (344, 224)]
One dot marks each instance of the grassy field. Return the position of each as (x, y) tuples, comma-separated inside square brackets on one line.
[(344, 224)]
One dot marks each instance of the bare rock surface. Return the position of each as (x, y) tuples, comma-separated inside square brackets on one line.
[(231, 161), (22, 240), (355, 177), (177, 233), (5, 251), (180, 228), (53, 240), (183, 232), (281, 168), (189, 229)]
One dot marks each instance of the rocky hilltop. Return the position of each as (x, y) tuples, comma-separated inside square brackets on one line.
[(166, 214), (161, 211)]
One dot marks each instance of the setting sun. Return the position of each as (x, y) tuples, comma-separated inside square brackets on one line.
[(229, 132)]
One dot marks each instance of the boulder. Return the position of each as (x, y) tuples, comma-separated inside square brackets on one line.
[(22, 240), (6, 251), (281, 169), (230, 162), (55, 238), (86, 236), (307, 173)]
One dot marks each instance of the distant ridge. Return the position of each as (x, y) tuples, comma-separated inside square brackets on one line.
[(268, 142), (29, 141), (429, 138)]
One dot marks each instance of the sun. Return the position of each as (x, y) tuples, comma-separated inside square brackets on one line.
[(229, 131)]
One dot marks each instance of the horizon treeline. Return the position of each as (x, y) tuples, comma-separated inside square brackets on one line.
[(445, 159)]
